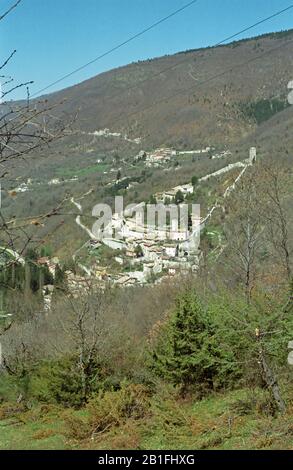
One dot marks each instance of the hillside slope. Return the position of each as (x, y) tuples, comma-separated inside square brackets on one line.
[(228, 97), (192, 98)]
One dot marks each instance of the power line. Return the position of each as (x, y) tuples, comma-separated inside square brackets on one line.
[(186, 90), (171, 67), (183, 91), (10, 9), (256, 24), (118, 46), (229, 38)]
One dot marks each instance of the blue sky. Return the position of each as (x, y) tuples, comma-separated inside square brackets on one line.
[(53, 37)]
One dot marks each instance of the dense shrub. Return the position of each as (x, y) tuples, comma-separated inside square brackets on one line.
[(60, 382), (109, 409), (112, 408)]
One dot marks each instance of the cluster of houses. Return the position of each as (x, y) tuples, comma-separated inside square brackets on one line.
[(163, 250), (195, 152), (163, 155), (159, 156), (22, 188), (168, 196), (29, 184), (153, 259), (225, 153), (107, 133), (143, 253), (150, 251)]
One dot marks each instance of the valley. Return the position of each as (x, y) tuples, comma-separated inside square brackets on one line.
[(146, 255)]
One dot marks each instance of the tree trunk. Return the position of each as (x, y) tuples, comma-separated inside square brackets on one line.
[(271, 381), (81, 366)]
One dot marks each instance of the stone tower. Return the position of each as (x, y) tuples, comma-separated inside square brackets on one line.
[(252, 154)]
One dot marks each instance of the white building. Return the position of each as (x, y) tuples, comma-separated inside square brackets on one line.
[(171, 250)]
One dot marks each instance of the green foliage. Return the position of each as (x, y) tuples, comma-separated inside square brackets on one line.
[(138, 251), (194, 180), (30, 278), (187, 352), (130, 401), (237, 324), (12, 276), (123, 184), (153, 200), (79, 172), (219, 345), (263, 109), (31, 254), (46, 251), (179, 197), (108, 410), (37, 276), (60, 278), (230, 420), (8, 388), (60, 382)]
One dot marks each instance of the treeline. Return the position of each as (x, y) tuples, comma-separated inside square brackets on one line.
[(263, 109), (29, 277)]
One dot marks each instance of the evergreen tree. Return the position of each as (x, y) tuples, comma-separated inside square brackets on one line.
[(31, 254), (46, 251), (60, 278), (138, 251), (187, 353), (194, 181), (179, 197)]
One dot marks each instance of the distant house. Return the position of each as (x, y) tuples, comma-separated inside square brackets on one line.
[(171, 250), (130, 252), (54, 181), (184, 188), (160, 155), (169, 194)]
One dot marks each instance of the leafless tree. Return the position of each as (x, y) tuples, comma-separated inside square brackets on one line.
[(82, 327), (257, 218), (26, 128), (277, 215), (244, 232)]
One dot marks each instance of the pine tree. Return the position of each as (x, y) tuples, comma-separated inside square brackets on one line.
[(194, 181), (187, 352)]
